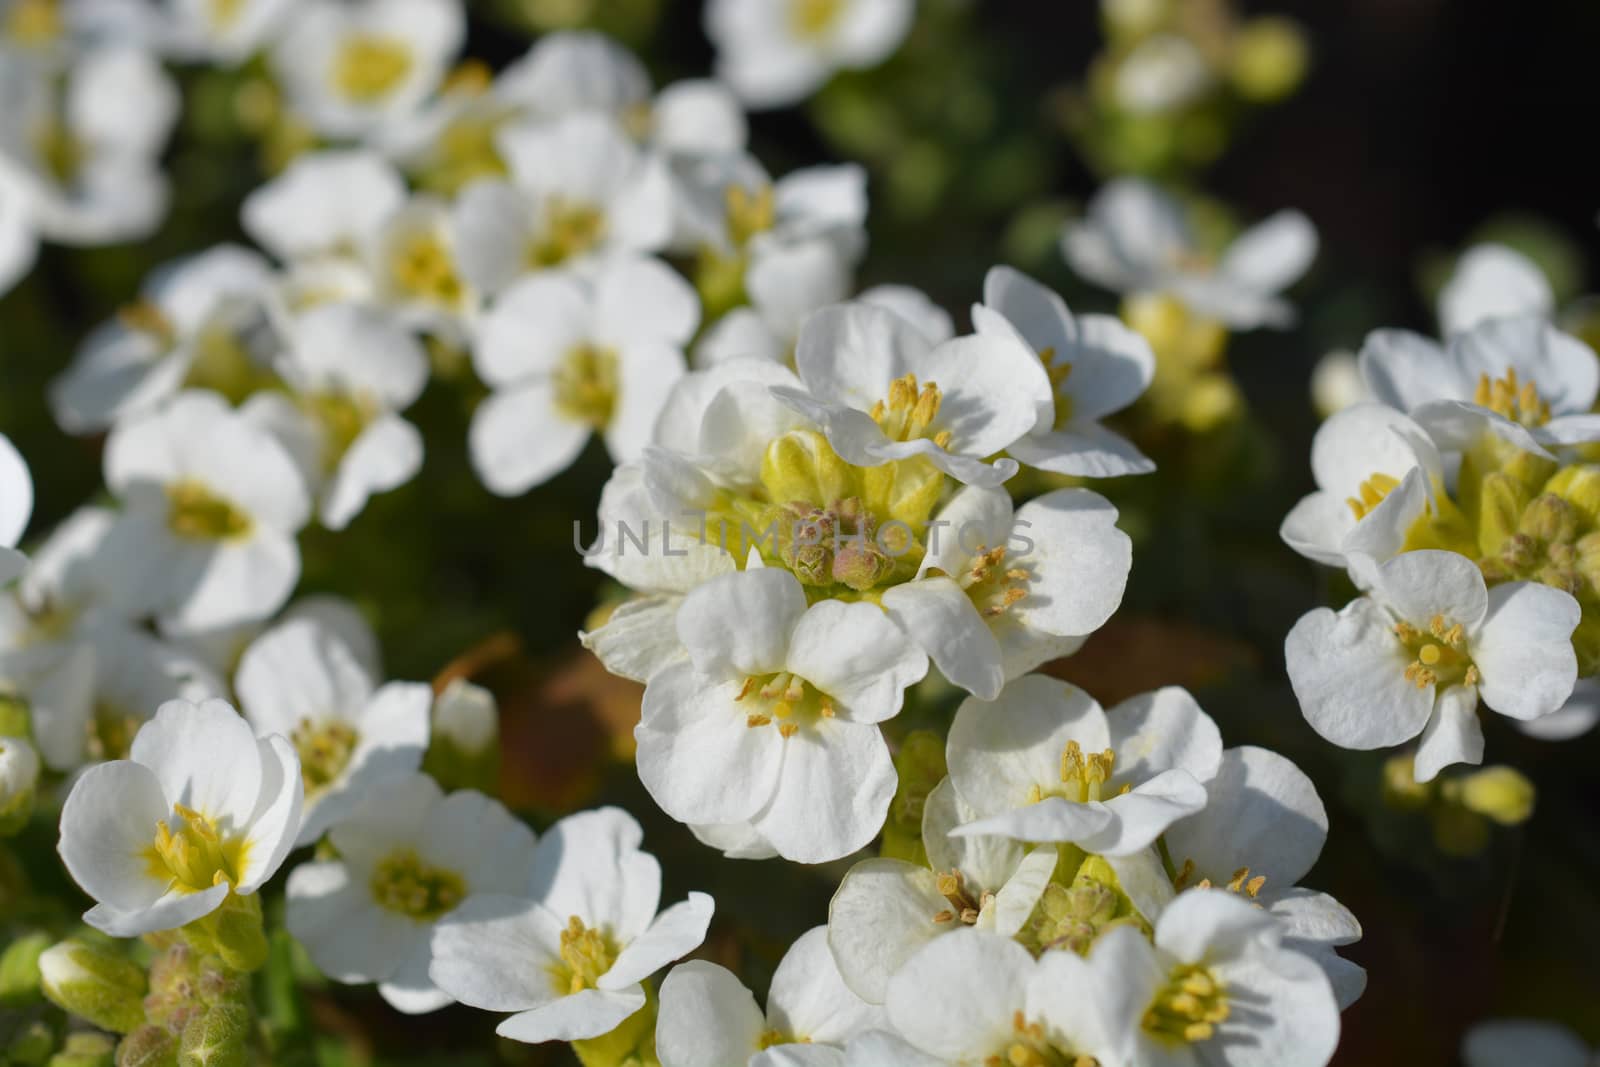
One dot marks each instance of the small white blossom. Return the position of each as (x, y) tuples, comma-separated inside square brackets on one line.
[(1492, 281), (409, 856), (708, 1018), (778, 52), (16, 508), (567, 955), (201, 809), (1415, 655)]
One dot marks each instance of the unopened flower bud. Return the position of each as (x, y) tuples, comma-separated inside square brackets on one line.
[(1587, 561), (1551, 520), (19, 969), (466, 716), (1458, 831), (801, 465), (1579, 485), (1401, 790), (861, 564), (148, 1046), (1501, 503), (30, 1043), (95, 984), (85, 1050), (1500, 793), (234, 931), (19, 777), (1270, 57), (219, 1037)]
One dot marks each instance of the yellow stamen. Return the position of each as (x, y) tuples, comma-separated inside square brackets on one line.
[(195, 513), (368, 67), (403, 882), (1371, 493)]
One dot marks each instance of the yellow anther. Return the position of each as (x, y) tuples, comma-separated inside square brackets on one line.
[(586, 954), (753, 721), (909, 411), (1371, 493), (422, 268), (1186, 873), (1519, 402), (570, 230), (472, 76), (324, 749), (749, 213), (1439, 653), (788, 730), (196, 855), (944, 916), (1188, 1008)]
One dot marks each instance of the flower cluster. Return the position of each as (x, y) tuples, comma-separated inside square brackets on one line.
[(850, 542), (1461, 500)]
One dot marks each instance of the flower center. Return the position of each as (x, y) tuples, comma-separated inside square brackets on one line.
[(423, 269), (1439, 654), (1371, 494), (325, 749), (60, 152), (838, 544), (225, 13), (1083, 777), (586, 954), (952, 885), (223, 362), (1517, 402), (189, 849), (785, 699), (749, 213), (466, 150), (370, 66), (992, 586), (195, 513), (586, 385), (404, 883), (1058, 374), (1188, 1008), (909, 411), (769, 1038), (813, 18), (33, 22), (341, 418), (1028, 1047), (110, 731), (571, 228)]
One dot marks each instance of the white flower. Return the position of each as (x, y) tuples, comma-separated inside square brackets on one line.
[(999, 593), (1136, 240), (729, 204), (887, 909), (778, 52), (89, 675), (1520, 379), (785, 286), (1096, 366), (1492, 281), (976, 998), (1043, 762), (416, 270), (16, 508), (569, 356), (572, 71), (1261, 831), (199, 322), (568, 956), (351, 369), (225, 32), (350, 69), (19, 244), (1216, 989), (211, 505), (774, 718), (201, 809), (408, 857), (881, 392), (579, 189), (300, 680), (1515, 1042), (1415, 655), (83, 149), (1573, 719), (915, 306), (709, 1019), (325, 204), (1376, 471)]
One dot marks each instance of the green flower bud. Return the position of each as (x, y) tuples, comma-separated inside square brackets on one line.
[(1501, 501), (1579, 485), (234, 931), (30, 1043), (861, 564), (1587, 562), (95, 984), (1401, 790), (1270, 57), (906, 490), (801, 465), (19, 778), (19, 970), (148, 1046), (85, 1050), (218, 1037), (1499, 793), (1551, 520), (464, 752), (1458, 831), (920, 766)]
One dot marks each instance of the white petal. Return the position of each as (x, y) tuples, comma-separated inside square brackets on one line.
[(520, 439), (493, 952), (1523, 649), (707, 1018), (999, 750), (1141, 816), (205, 757), (1160, 731), (697, 755), (107, 824), (477, 837), (940, 617), (639, 639), (346, 933), (1082, 449), (1417, 586), (590, 865), (386, 455), (957, 997), (531, 327), (1492, 281), (1405, 370), (1262, 812), (833, 792), (1515, 1042), (741, 623), (1453, 734), (675, 933), (855, 654), (1271, 255), (881, 914), (809, 999), (1348, 673), (575, 1017)]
